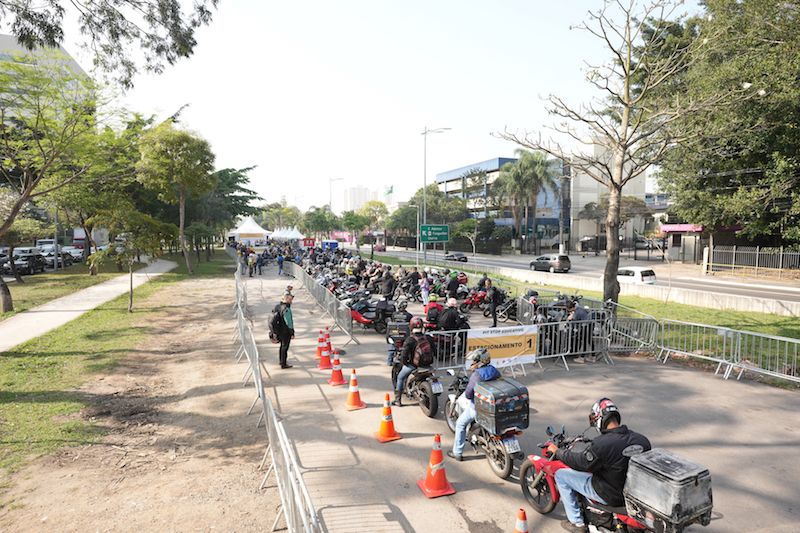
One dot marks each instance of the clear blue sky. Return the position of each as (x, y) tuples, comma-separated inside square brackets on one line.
[(314, 90)]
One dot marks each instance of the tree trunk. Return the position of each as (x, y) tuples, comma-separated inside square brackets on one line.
[(610, 284), (6, 302), (130, 292), (182, 211)]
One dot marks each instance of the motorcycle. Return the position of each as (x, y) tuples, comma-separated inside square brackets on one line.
[(475, 298), (537, 478), (507, 310), (421, 385), (372, 313), (500, 450), (405, 289)]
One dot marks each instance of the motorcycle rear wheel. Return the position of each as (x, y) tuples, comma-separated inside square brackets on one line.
[(451, 420), (498, 458), (487, 312), (380, 327), (539, 497), (428, 402)]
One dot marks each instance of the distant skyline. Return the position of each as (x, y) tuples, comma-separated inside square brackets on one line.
[(317, 91)]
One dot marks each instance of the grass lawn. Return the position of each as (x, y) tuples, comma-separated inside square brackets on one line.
[(38, 378)]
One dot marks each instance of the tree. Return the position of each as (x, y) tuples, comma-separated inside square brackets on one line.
[(468, 228), (355, 224), (25, 229), (512, 181), (179, 165), (745, 169), (164, 33), (143, 236), (219, 208), (540, 179), (639, 118)]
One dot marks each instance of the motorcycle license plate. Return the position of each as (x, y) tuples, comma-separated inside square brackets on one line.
[(512, 445), (437, 387)]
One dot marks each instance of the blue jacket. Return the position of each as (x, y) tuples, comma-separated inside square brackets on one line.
[(487, 373)]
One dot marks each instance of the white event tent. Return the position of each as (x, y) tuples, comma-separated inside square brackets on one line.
[(250, 233)]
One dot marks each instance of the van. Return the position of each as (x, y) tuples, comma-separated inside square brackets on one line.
[(41, 243)]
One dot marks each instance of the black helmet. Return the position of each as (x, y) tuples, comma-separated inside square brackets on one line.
[(603, 411), (401, 304), (416, 325)]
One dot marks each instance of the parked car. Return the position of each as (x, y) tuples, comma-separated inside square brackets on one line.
[(50, 257), (3, 258), (76, 253), (636, 275), (380, 248), (455, 256), (26, 263), (552, 263)]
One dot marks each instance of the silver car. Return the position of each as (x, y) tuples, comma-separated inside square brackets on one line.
[(552, 263)]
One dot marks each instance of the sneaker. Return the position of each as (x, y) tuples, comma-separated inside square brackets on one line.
[(569, 526), (591, 359), (454, 456), (579, 360), (284, 367)]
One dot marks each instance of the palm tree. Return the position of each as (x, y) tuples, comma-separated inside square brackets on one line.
[(513, 183), (538, 178)]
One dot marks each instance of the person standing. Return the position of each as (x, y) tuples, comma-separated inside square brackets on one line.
[(283, 328), (493, 298), (425, 289), (279, 259), (259, 262)]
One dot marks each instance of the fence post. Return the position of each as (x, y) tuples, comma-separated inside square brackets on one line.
[(758, 256), (780, 264)]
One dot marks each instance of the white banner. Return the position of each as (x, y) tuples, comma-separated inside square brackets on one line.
[(507, 346)]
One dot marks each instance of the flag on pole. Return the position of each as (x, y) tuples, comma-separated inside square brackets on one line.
[(389, 191)]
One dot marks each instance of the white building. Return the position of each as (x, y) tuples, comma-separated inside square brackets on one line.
[(356, 197)]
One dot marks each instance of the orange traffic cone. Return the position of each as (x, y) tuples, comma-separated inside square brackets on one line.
[(387, 431), (353, 398), (325, 360), (320, 345), (328, 341), (522, 522), (336, 376), (436, 484)]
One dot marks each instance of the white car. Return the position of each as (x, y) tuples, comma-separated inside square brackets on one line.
[(76, 253), (636, 275)]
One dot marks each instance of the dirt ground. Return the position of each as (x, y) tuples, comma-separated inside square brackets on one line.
[(180, 453)]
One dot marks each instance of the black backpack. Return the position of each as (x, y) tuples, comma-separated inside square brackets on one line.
[(423, 353), (277, 325), (433, 314)]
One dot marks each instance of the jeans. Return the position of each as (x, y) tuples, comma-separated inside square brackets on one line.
[(425, 297), (402, 375), (464, 420), (570, 481), (493, 310), (280, 267), (244, 268)]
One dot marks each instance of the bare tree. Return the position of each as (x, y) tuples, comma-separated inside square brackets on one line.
[(640, 114)]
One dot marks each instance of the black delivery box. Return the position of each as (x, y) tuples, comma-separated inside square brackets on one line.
[(501, 403), (666, 492), (397, 331)]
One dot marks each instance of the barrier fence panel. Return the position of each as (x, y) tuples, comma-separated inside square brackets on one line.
[(715, 344), (629, 330), (766, 354)]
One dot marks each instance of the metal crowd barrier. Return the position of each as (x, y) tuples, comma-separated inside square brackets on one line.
[(338, 311), (767, 354), (629, 330), (715, 344)]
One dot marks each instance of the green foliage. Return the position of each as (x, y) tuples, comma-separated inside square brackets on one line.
[(442, 209), (164, 33), (743, 169)]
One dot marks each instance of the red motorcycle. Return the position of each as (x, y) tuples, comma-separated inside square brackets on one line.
[(475, 298), (537, 478)]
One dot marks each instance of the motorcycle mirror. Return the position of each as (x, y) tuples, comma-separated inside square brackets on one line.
[(549, 431), (563, 431)]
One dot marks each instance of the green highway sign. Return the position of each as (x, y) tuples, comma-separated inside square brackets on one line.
[(434, 233)]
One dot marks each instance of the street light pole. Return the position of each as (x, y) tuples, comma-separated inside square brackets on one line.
[(330, 198), (425, 181), (418, 241)]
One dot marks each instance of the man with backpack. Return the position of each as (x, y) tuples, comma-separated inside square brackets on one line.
[(281, 328), (418, 351)]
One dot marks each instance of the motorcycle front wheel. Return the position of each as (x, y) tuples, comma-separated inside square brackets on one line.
[(487, 312), (428, 402), (450, 419), (395, 370), (463, 308), (498, 458), (539, 497), (380, 327)]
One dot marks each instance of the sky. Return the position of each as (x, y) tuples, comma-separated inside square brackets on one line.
[(321, 96)]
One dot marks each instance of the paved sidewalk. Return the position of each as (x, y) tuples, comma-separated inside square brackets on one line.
[(39, 320)]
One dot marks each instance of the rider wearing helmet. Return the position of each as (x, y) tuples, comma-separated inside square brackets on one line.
[(388, 285), (598, 472), (401, 314), (451, 285), (449, 319), (407, 356), (433, 310), (479, 361)]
